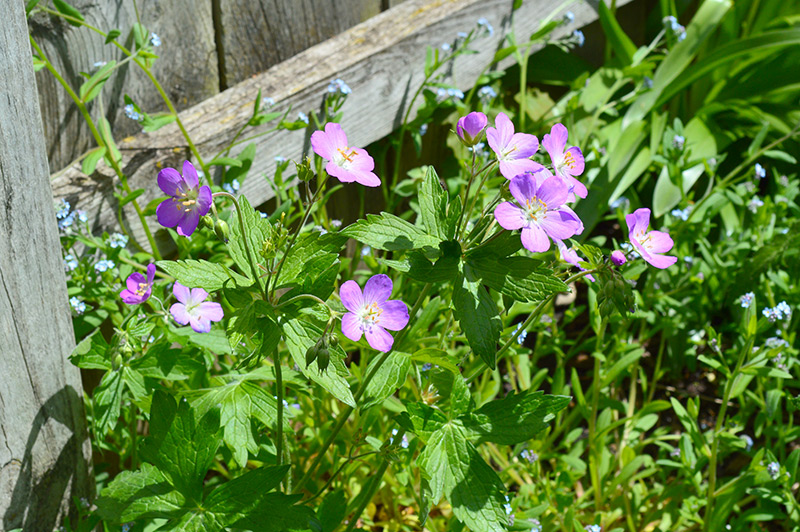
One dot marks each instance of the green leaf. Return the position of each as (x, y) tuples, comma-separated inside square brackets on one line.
[(477, 313), (422, 420), (155, 121), (257, 230), (433, 205), (389, 233), (124, 200), (107, 398), (30, 5), (92, 353), (210, 276), (390, 376), (180, 447), (92, 86), (454, 468), (520, 278), (704, 22), (436, 357), (113, 34), (301, 334), (417, 265), (245, 159), (621, 44), (311, 255), (515, 418), (332, 511), (225, 161), (92, 158), (143, 494), (66, 9)]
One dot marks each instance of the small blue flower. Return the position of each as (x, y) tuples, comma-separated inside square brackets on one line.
[(682, 214), (232, 187), (280, 159), (678, 142), (336, 224), (130, 112), (302, 117), (781, 311), (746, 299), (66, 223), (82, 217), (754, 204), (263, 214), (155, 40), (70, 262), (485, 25), (647, 82), (461, 35), (522, 335), (569, 17), (77, 305), (403, 441), (761, 172), (99, 64), (455, 93), (487, 94), (594, 528), (774, 469), (423, 129), (446, 47), (536, 526), (268, 101), (621, 203), (117, 240), (339, 86), (62, 207), (748, 441), (426, 366), (578, 37), (104, 265), (530, 456)]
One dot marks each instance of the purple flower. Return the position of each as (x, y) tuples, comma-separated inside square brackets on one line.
[(649, 244), (567, 163), (513, 150), (470, 128), (346, 163), (371, 313), (540, 211), (189, 200), (139, 286), (570, 256), (618, 257), (193, 309)]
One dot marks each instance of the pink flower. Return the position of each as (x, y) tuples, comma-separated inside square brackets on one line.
[(346, 163), (193, 309), (651, 244), (139, 287), (618, 257), (189, 200), (372, 312), (570, 256), (470, 128), (566, 164), (513, 150), (540, 211)]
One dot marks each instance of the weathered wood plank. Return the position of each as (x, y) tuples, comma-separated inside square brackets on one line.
[(44, 449), (381, 59), (261, 33), (187, 69)]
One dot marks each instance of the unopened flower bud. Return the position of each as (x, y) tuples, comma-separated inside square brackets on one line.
[(333, 340), (207, 221), (323, 358), (618, 257), (311, 355), (221, 229), (116, 362), (304, 170), (470, 128)]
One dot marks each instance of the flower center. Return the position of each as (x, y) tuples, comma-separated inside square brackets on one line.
[(534, 208), (346, 155), (569, 161), (644, 239), (370, 315), (506, 155), (185, 200), (142, 289)]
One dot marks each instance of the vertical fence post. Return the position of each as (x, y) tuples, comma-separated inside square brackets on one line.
[(44, 450)]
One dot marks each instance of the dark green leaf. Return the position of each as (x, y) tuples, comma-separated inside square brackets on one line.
[(389, 377), (418, 267), (245, 159), (210, 276), (66, 9), (477, 313), (92, 158), (259, 232), (433, 205), (113, 34), (92, 353), (124, 200), (520, 278), (143, 494), (389, 233), (515, 418), (621, 44)]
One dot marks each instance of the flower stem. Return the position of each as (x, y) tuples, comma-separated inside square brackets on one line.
[(279, 423), (356, 396), (594, 459), (374, 485), (712, 462)]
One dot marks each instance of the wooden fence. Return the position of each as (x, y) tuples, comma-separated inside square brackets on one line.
[(381, 59)]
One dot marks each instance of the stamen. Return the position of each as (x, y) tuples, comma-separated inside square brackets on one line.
[(347, 156)]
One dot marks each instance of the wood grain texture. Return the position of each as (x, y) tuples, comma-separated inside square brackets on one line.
[(261, 33), (44, 449), (381, 59), (187, 69)]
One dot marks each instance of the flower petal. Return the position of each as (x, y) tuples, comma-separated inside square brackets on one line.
[(190, 175), (178, 311), (378, 289), (188, 223), (638, 220), (198, 295), (525, 144), (559, 225), (555, 142), (211, 311), (553, 192), (368, 179), (181, 292), (509, 216), (204, 200), (660, 242), (321, 145), (394, 316), (345, 176), (513, 168), (350, 294), (131, 298), (200, 324), (169, 181), (133, 281), (151, 273), (523, 188), (578, 165), (379, 339), (169, 213), (660, 261), (498, 137), (351, 326), (535, 239)]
